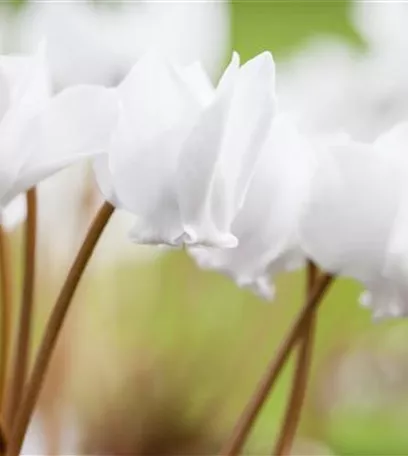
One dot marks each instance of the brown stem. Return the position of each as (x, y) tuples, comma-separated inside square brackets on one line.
[(19, 369), (6, 304), (53, 328), (255, 404), (312, 273), (3, 439), (299, 385)]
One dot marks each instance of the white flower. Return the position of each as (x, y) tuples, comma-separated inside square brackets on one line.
[(356, 221), (184, 153), (99, 43), (266, 225), (39, 134)]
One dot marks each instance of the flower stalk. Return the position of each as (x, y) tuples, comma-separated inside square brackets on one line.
[(6, 304), (53, 329), (251, 412), (299, 385), (21, 360)]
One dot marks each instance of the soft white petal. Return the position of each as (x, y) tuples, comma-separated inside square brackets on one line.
[(25, 92), (76, 124), (5, 95), (165, 230), (197, 161), (152, 99), (249, 121), (27, 78), (219, 156), (103, 177), (198, 82), (144, 184), (155, 117), (266, 225)]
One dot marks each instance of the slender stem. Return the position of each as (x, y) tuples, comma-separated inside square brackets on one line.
[(299, 385), (247, 420), (6, 304), (3, 439), (312, 273), (53, 329), (19, 370)]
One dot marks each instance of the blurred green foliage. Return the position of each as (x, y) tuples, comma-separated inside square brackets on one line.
[(283, 26)]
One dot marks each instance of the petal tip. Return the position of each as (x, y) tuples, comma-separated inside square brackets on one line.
[(192, 236)]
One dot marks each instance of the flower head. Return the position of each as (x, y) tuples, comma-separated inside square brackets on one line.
[(40, 134), (184, 152), (355, 221)]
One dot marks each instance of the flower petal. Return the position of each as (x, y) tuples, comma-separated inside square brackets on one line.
[(196, 165), (103, 177), (219, 156), (198, 82), (155, 117), (24, 91), (266, 225), (76, 124)]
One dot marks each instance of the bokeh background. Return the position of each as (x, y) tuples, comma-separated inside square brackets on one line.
[(159, 357)]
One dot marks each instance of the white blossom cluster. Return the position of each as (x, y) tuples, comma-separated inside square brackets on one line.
[(98, 43), (218, 169)]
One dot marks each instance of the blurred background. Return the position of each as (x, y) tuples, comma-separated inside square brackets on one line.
[(158, 357)]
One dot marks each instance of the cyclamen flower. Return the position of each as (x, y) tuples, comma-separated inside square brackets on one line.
[(266, 225), (184, 153), (356, 221), (40, 134)]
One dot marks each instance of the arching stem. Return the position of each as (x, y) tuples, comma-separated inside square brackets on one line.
[(6, 306), (299, 385), (53, 329), (251, 412), (21, 357)]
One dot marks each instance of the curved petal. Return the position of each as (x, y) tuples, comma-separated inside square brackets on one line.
[(219, 156), (153, 100), (144, 183), (249, 120), (156, 114), (197, 82), (104, 179), (266, 225), (27, 78), (77, 123), (196, 166), (24, 92)]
